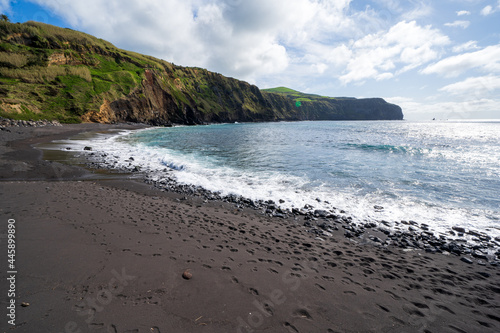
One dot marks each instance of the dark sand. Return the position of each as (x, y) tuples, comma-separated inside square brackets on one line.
[(109, 256)]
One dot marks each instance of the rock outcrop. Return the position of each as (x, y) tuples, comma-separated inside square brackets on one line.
[(48, 72), (154, 103)]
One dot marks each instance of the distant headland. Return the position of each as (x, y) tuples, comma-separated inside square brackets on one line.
[(53, 73)]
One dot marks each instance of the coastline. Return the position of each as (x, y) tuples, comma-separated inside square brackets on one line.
[(116, 250), (472, 244)]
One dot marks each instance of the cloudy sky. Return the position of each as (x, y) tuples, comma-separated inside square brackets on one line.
[(434, 58)]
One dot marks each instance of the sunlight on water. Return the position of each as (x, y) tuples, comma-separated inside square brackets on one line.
[(440, 173)]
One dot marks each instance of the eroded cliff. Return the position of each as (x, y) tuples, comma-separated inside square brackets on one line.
[(48, 72)]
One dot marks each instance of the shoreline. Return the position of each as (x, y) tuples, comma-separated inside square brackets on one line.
[(470, 244), (123, 246)]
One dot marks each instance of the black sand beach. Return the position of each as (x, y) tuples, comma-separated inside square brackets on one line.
[(117, 255)]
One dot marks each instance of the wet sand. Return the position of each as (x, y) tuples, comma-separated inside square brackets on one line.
[(109, 256)]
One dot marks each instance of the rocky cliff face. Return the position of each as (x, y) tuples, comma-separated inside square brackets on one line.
[(51, 73), (232, 100)]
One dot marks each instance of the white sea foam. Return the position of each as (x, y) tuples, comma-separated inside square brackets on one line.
[(291, 190), (296, 191)]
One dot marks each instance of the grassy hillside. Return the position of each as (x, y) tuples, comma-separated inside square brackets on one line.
[(47, 72), (296, 95), (55, 73)]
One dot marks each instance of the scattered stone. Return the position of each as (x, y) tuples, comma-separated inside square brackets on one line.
[(321, 213), (376, 207), (87, 148), (321, 223), (479, 254), (474, 233), (485, 238), (25, 304), (187, 275), (4, 122), (466, 260), (459, 229)]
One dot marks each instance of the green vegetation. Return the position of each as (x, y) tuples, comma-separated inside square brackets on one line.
[(55, 73), (282, 90), (47, 72), (13, 60), (297, 96)]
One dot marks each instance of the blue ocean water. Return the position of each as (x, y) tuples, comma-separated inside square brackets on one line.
[(440, 173)]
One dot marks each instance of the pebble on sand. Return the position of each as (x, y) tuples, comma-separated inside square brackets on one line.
[(187, 275)]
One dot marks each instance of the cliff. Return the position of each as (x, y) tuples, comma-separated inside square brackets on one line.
[(47, 72)]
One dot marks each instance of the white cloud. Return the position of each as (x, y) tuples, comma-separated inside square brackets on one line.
[(240, 38), (459, 24), (405, 10), (463, 12), (470, 45), (384, 76), (479, 86), (421, 9), (252, 39), (406, 44), (487, 60), (488, 10), (319, 68), (5, 6)]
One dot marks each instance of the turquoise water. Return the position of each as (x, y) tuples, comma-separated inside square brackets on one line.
[(440, 173)]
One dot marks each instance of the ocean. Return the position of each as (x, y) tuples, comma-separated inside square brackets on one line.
[(441, 173)]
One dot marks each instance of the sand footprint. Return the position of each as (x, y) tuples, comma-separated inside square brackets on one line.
[(290, 327), (253, 291), (383, 308), (320, 287), (302, 313), (273, 271)]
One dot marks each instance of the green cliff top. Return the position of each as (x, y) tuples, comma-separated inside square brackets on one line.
[(48, 72)]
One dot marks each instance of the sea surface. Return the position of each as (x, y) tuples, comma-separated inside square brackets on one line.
[(443, 174)]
